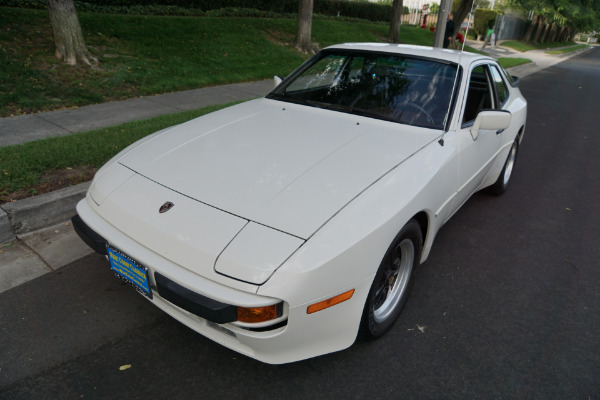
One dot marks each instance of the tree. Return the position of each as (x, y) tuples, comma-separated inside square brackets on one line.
[(570, 16), (68, 38), (303, 34), (534, 24), (396, 19), (459, 13), (540, 29)]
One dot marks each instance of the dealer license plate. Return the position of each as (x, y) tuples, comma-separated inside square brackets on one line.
[(129, 270)]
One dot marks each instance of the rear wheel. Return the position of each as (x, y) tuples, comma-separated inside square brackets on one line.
[(393, 282)]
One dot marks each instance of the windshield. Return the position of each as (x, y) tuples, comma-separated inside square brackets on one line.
[(392, 87)]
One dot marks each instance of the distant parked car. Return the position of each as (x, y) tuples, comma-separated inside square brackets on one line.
[(285, 226)]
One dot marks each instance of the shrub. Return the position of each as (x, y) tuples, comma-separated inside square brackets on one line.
[(249, 8), (484, 20)]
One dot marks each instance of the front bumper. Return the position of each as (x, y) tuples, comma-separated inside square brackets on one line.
[(293, 336), (91, 238)]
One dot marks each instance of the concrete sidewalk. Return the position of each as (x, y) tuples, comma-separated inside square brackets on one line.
[(35, 235), (27, 128), (539, 59)]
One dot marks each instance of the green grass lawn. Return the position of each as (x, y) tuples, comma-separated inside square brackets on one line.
[(567, 50), (474, 50), (144, 55), (22, 167), (508, 62), (526, 46)]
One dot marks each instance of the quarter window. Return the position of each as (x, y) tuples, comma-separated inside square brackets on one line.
[(501, 88)]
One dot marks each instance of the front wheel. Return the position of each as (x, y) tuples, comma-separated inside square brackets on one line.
[(393, 282), (503, 180)]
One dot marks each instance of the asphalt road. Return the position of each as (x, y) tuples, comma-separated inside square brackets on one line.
[(508, 302)]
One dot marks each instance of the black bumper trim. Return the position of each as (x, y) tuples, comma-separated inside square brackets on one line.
[(202, 306), (91, 238)]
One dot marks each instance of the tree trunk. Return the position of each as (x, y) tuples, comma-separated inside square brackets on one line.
[(561, 34), (70, 46), (531, 29), (545, 33), (565, 35), (303, 34), (553, 32), (396, 19), (464, 8), (539, 29)]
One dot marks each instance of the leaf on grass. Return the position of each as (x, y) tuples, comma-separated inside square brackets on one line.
[(124, 367)]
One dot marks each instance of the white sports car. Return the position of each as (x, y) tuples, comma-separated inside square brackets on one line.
[(285, 226)]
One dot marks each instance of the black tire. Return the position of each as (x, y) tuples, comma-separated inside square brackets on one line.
[(503, 180), (393, 282)]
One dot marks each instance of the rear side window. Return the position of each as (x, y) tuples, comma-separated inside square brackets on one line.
[(479, 95), (501, 88)]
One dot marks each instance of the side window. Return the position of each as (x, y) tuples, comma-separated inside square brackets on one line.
[(479, 95), (501, 88)]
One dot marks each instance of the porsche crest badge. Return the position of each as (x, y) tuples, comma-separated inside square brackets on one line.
[(165, 207)]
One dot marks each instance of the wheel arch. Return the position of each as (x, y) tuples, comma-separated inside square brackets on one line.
[(521, 133), (424, 223)]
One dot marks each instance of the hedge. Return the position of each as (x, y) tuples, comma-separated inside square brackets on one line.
[(348, 9), (484, 20)]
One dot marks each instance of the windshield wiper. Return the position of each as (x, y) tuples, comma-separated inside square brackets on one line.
[(354, 110), (334, 107), (289, 99)]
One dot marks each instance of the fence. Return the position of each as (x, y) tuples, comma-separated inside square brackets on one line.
[(415, 17), (509, 27), (506, 27)]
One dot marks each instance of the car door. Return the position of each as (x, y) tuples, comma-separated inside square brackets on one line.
[(476, 152)]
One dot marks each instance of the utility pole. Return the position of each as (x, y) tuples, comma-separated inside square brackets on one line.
[(440, 30)]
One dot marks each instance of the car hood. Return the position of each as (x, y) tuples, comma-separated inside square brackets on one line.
[(285, 166)]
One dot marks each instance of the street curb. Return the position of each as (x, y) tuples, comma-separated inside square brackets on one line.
[(574, 53), (6, 232), (39, 212), (518, 70)]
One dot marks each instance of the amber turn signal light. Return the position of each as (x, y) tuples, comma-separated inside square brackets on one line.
[(257, 314), (329, 302)]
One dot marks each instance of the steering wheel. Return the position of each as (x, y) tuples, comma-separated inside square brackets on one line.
[(421, 111)]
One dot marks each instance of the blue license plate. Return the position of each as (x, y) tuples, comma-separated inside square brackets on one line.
[(129, 270)]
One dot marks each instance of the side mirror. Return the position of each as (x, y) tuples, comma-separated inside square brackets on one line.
[(276, 80), (491, 120), (515, 81)]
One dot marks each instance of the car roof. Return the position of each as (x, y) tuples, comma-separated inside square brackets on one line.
[(456, 56)]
